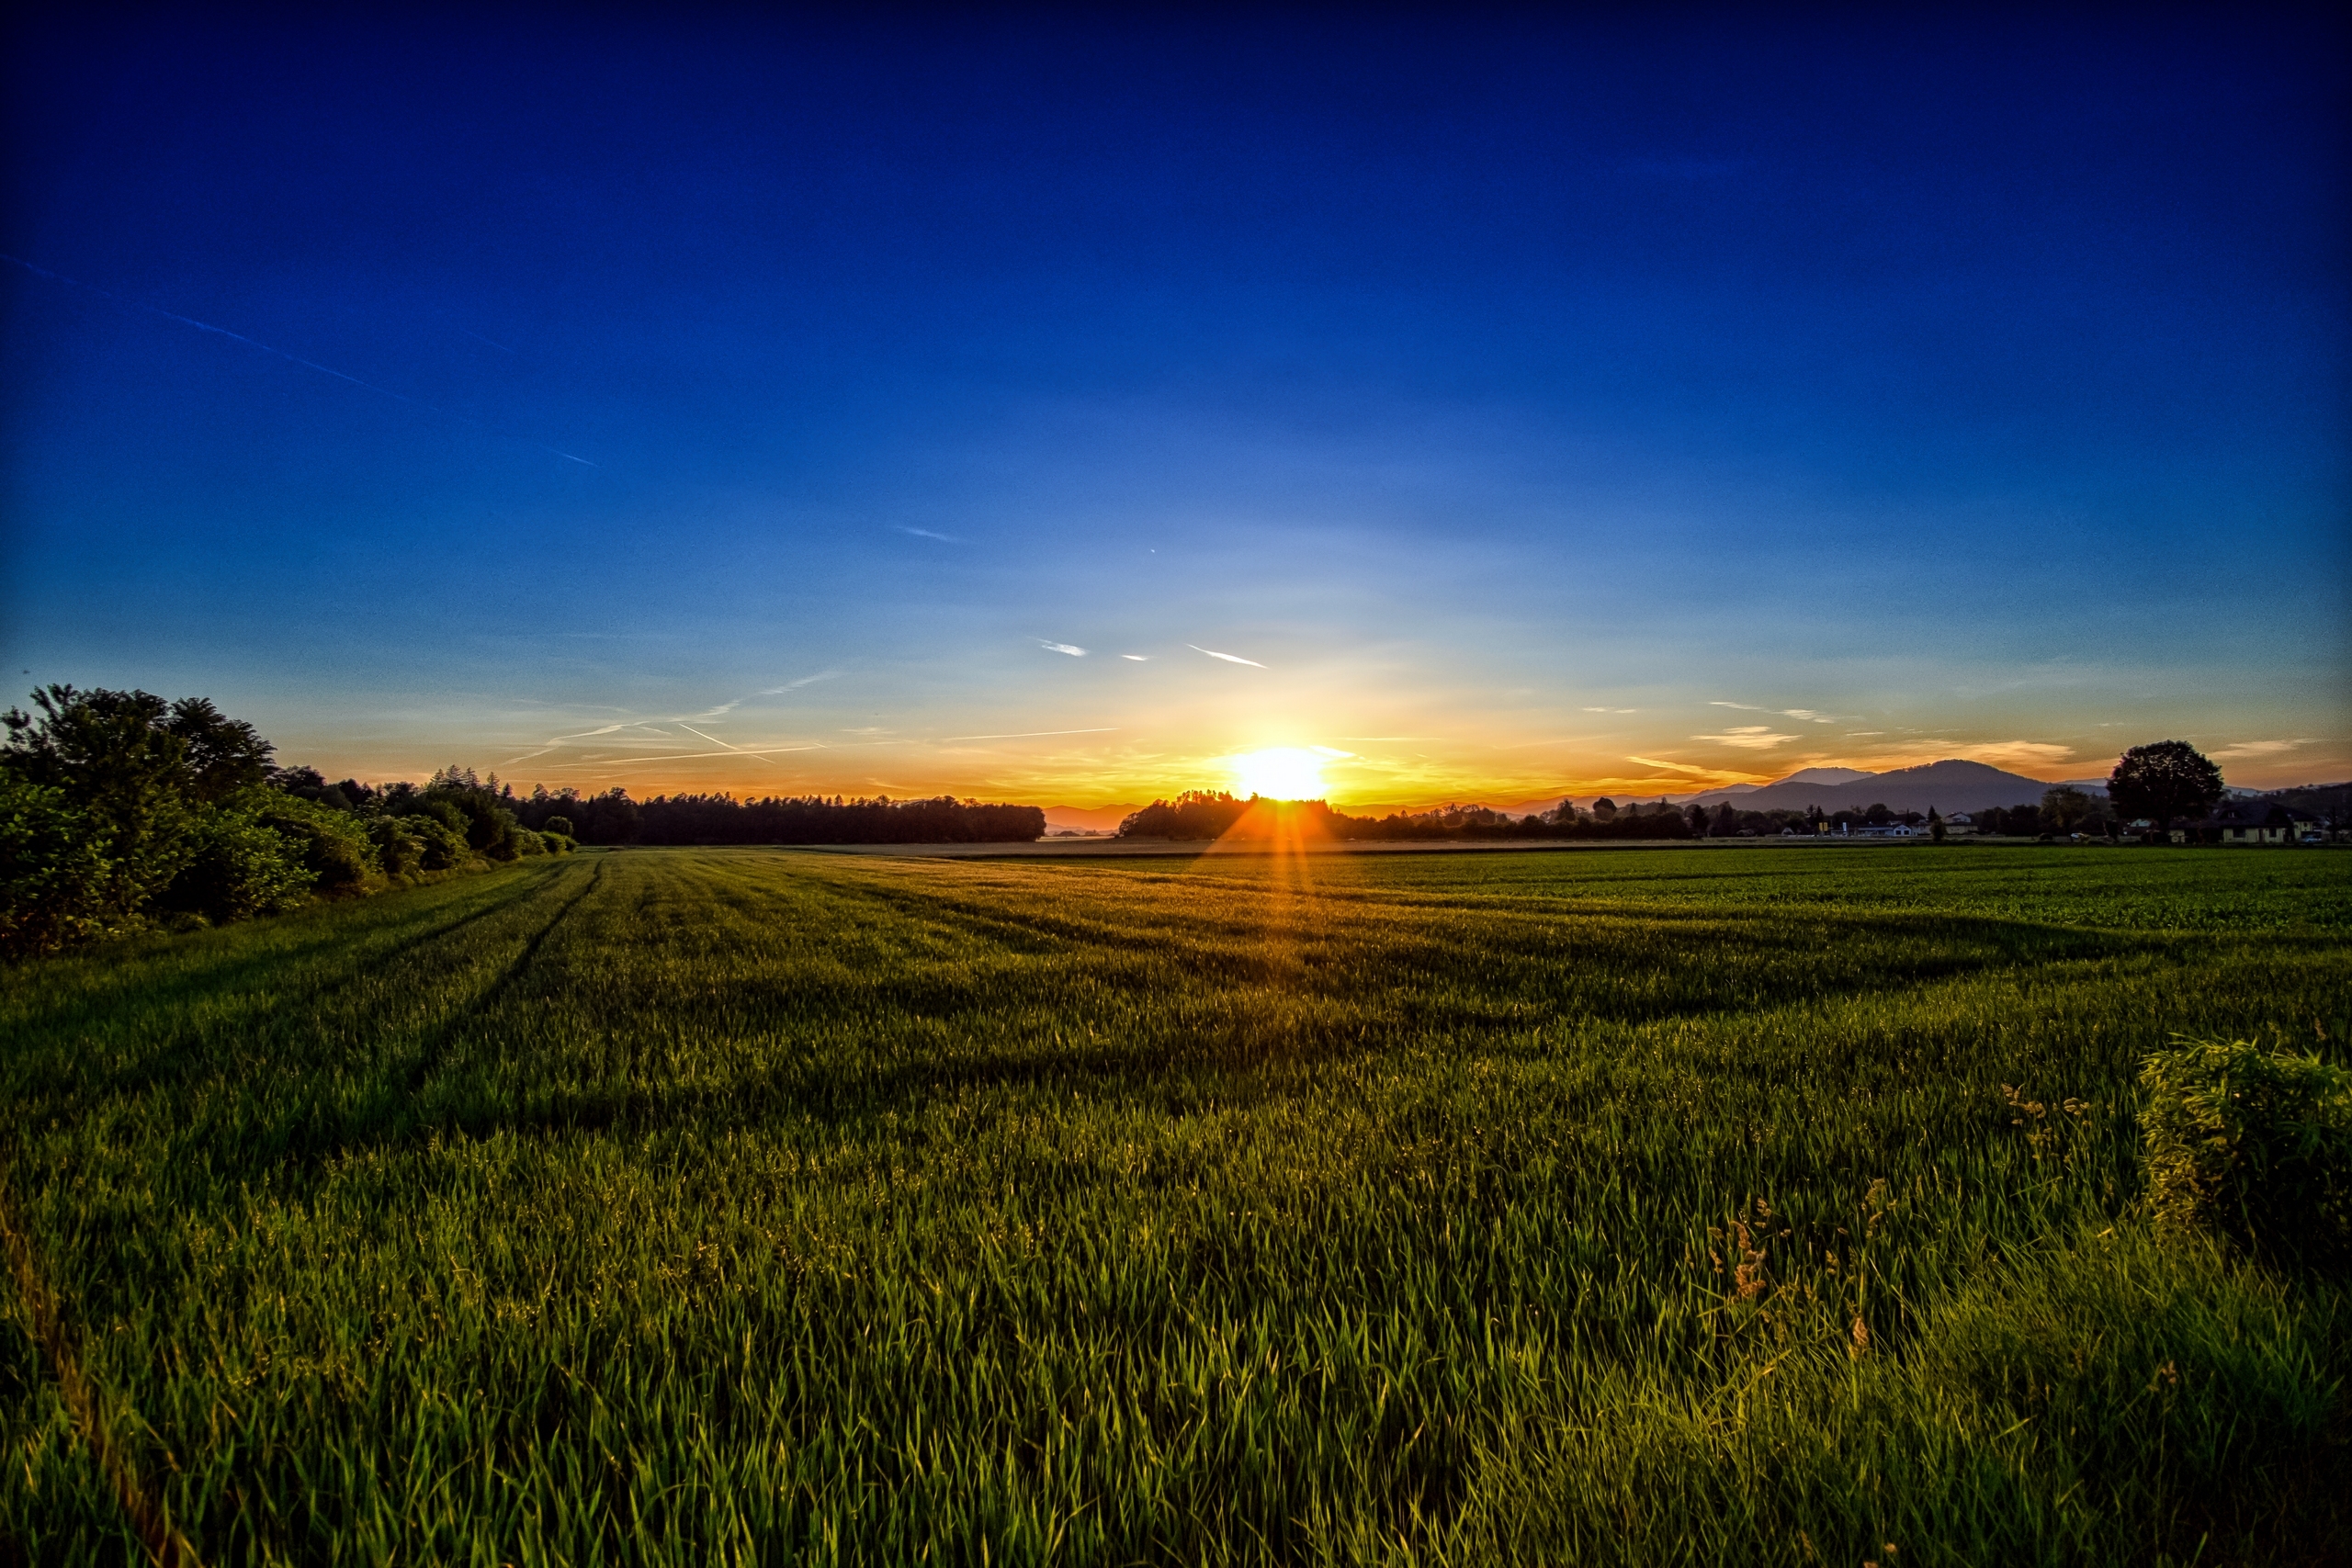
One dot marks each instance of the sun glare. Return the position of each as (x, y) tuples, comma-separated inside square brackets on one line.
[(1279, 773)]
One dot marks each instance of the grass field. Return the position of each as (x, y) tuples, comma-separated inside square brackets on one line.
[(706, 1206)]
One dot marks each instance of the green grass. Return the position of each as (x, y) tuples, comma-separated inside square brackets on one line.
[(741, 1205)]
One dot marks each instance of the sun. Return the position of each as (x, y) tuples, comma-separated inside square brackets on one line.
[(1279, 773)]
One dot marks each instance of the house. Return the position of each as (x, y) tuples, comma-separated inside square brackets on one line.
[(2255, 822)]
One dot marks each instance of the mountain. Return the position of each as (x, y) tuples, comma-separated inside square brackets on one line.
[(1950, 785)]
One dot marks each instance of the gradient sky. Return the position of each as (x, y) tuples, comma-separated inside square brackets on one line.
[(1585, 407)]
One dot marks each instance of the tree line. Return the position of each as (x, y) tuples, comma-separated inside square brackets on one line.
[(2159, 784), (121, 811)]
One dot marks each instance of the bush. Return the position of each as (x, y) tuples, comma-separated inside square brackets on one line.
[(398, 850), (57, 884), (241, 868), (558, 843), (2254, 1144), (333, 847), (443, 847), (529, 843)]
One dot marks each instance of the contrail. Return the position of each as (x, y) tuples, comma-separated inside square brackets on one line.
[(1029, 734), (1228, 658), (1070, 647), (293, 358)]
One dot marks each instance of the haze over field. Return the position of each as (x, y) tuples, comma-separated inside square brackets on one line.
[(1058, 411)]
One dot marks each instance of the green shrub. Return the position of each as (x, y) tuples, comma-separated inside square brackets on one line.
[(529, 843), (241, 868), (443, 845), (333, 846), (556, 841), (2252, 1142), (398, 850), (58, 887)]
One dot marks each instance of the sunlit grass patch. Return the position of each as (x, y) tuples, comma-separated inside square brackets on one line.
[(671, 1206)]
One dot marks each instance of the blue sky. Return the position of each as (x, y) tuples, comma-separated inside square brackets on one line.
[(1537, 407)]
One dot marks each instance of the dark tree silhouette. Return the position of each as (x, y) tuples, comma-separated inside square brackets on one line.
[(2168, 779)]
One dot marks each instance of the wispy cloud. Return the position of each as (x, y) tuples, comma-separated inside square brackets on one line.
[(2025, 753), (295, 358), (1748, 738), (1228, 658), (2259, 748), (796, 686), (926, 533), (1138, 657), (1809, 716), (1613, 710), (1032, 734), (1673, 767), (1070, 647)]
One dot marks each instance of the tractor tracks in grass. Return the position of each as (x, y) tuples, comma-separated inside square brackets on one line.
[(97, 1419)]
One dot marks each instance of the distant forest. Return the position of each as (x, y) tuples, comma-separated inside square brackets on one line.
[(613, 818), (120, 812), (1204, 814)]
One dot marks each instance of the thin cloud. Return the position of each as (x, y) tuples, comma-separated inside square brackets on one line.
[(1748, 738), (2260, 748), (1228, 658), (796, 686), (1673, 767), (1809, 716), (293, 358), (1613, 710), (1031, 734), (2022, 752), (927, 533), (1070, 647), (1138, 657)]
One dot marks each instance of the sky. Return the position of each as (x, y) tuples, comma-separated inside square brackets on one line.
[(1059, 409)]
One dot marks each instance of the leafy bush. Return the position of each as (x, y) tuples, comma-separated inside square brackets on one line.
[(529, 843), (333, 846), (57, 884), (398, 849), (442, 846), (240, 868), (558, 841), (2253, 1143)]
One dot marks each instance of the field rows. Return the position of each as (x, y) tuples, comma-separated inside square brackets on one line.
[(680, 1206)]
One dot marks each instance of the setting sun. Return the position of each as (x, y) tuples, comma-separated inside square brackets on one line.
[(1279, 773)]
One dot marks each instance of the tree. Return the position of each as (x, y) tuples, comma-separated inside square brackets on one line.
[(1605, 809), (1726, 821), (2160, 782), (1935, 824), (2064, 809), (225, 755), (116, 761), (1698, 820)]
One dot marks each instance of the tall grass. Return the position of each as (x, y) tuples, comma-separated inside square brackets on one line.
[(691, 1206)]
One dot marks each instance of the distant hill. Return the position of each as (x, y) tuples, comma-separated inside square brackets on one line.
[(1950, 785)]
